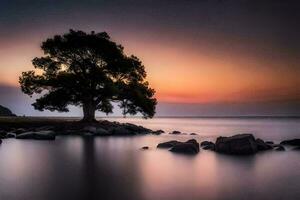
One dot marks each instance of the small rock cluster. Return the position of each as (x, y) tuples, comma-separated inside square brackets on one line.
[(188, 147), (241, 144)]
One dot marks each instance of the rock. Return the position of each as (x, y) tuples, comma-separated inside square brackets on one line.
[(175, 132), (193, 134), (102, 132), (241, 144), (205, 143), (279, 148), (269, 142), (44, 128), (168, 144), (87, 134), (2, 134), (294, 142), (145, 148), (297, 148), (158, 132), (188, 147), (20, 130), (211, 147), (90, 129), (262, 146), (132, 128), (120, 131), (10, 135), (41, 135)]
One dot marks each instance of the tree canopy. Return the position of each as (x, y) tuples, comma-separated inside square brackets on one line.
[(88, 70)]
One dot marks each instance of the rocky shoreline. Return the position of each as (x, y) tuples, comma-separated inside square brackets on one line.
[(40, 131), (241, 144)]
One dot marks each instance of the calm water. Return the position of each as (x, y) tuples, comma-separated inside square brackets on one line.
[(115, 168)]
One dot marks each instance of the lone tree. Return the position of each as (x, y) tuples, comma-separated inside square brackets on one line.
[(91, 71)]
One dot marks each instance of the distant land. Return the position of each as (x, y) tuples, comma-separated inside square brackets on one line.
[(5, 111)]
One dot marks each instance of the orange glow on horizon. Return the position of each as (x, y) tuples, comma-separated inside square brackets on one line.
[(184, 74)]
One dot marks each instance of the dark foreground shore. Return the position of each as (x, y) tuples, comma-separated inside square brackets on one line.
[(48, 128)]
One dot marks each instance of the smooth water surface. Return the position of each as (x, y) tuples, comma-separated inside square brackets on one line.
[(115, 168)]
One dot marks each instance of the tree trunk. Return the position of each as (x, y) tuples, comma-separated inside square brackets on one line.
[(88, 112)]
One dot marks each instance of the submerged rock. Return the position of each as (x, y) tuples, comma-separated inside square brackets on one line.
[(279, 148), (193, 134), (41, 135), (145, 148), (10, 135), (158, 132), (262, 146), (210, 147), (293, 142), (269, 142), (188, 147), (241, 144), (207, 145), (175, 132)]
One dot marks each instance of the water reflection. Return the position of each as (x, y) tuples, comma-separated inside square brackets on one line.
[(115, 168)]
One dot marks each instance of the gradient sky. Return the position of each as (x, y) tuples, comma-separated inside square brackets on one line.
[(205, 57)]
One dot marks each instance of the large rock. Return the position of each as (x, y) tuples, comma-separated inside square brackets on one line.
[(168, 144), (41, 135), (242, 144), (188, 147), (294, 142)]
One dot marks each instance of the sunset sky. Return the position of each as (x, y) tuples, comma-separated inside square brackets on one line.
[(205, 57)]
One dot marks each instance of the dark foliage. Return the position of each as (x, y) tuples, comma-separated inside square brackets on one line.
[(91, 71)]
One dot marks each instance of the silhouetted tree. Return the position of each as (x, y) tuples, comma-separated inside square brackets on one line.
[(91, 71)]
